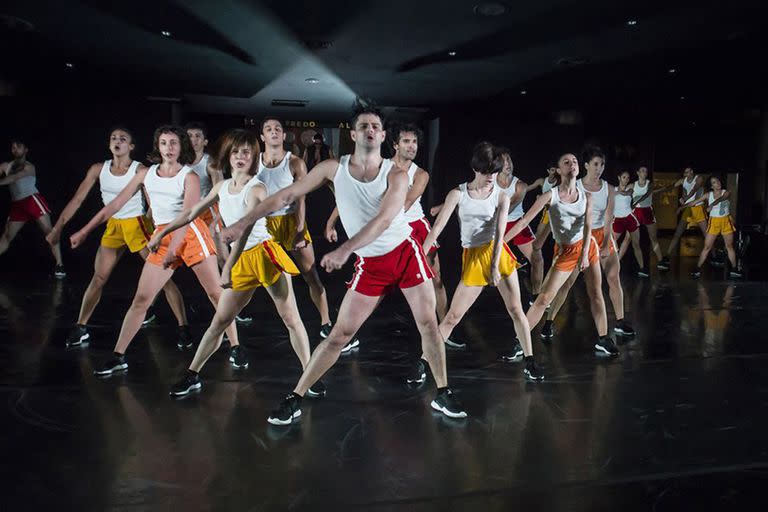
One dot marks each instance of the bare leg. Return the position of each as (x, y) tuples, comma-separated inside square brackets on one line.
[(556, 283), (172, 295), (562, 294), (612, 267), (509, 288), (463, 298), (11, 230), (703, 227), (103, 264), (45, 226), (653, 236), (305, 259), (207, 273), (728, 239), (709, 242), (594, 281), (421, 299), (623, 246), (440, 293), (681, 225), (635, 237), (285, 303)]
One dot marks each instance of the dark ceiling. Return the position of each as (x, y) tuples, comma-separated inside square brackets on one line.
[(238, 56)]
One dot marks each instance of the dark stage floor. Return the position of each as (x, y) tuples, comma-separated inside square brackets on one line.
[(678, 420)]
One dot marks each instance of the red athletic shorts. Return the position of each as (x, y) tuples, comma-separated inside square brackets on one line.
[(404, 266), (526, 236), (420, 229), (626, 224), (28, 208), (644, 215)]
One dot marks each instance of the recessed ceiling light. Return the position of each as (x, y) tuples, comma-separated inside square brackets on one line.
[(490, 9), (631, 23), (523, 92), (312, 80), (166, 33), (452, 53), (673, 70), (69, 64), (682, 98)]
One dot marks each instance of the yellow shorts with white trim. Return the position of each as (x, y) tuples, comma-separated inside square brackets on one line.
[(476, 264), (261, 265), (720, 226), (283, 230), (133, 232), (544, 217), (694, 215)]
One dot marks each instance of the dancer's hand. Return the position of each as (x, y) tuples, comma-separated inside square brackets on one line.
[(495, 276), (77, 239), (336, 259), (53, 236), (584, 261), (169, 259), (299, 242), (330, 234), (435, 210), (225, 280), (154, 243), (232, 233)]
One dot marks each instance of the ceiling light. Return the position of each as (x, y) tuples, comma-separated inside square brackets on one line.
[(312, 80), (523, 92), (490, 9), (166, 33), (682, 98), (69, 64), (632, 23), (452, 53), (672, 70)]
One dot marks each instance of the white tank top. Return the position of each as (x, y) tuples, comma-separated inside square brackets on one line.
[(567, 219), (638, 191), (599, 203), (721, 209), (360, 202), (688, 187), (232, 208), (112, 185), (23, 187), (415, 212), (622, 204), (277, 178), (517, 212), (477, 217), (166, 195), (547, 185), (201, 169)]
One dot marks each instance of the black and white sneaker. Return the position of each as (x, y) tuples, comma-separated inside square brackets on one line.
[(417, 373), (514, 354), (78, 335), (59, 272), (242, 319), (115, 364), (325, 330), (353, 343), (455, 344), (606, 345), (696, 274), (317, 390), (447, 404), (547, 330), (532, 371), (735, 274), (287, 412), (663, 263), (643, 272), (624, 328), (190, 382), (238, 357), (183, 337)]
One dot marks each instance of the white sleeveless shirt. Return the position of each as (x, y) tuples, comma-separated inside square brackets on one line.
[(201, 169), (477, 217), (517, 212), (359, 203), (277, 178), (721, 209), (688, 187), (547, 185), (599, 203), (415, 212), (112, 185), (622, 204), (166, 195), (232, 207), (23, 187), (638, 191), (567, 219)]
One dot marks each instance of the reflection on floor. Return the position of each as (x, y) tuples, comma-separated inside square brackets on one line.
[(678, 419)]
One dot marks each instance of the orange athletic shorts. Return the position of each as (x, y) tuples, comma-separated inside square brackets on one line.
[(209, 214), (566, 258), (196, 246), (599, 235)]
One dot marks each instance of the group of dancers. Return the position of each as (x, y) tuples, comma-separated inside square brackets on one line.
[(237, 219)]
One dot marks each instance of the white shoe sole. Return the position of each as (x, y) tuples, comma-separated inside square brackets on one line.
[(530, 377), (420, 380), (349, 346), (187, 391), (445, 411), (112, 370), (278, 421), (83, 338), (604, 350), (619, 330), (453, 344), (232, 360), (312, 394)]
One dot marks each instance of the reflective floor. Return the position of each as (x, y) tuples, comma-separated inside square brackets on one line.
[(677, 420)]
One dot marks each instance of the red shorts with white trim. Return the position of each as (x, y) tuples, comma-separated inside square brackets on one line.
[(196, 246), (626, 224), (404, 266), (419, 231), (644, 215), (28, 208), (526, 236)]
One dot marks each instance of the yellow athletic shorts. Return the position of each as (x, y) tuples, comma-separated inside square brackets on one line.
[(544, 217), (476, 264), (134, 232), (720, 226), (261, 265), (694, 215), (283, 230)]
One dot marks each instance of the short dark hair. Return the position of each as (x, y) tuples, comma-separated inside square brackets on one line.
[(197, 125), (187, 155), (365, 106), (20, 140), (269, 118), (232, 140), (486, 158), (591, 151), (318, 135), (398, 129), (122, 128)]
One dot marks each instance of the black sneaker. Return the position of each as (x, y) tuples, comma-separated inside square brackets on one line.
[(149, 317), (547, 330), (606, 345), (184, 339), (514, 354), (287, 412), (696, 274), (735, 274), (78, 335), (190, 382), (316, 390), (238, 357), (353, 343), (447, 404), (113, 365), (623, 327), (455, 344), (243, 319), (532, 370), (643, 272), (663, 264), (417, 373), (325, 330), (59, 272)]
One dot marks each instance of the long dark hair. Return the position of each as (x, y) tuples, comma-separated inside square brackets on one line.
[(187, 154)]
